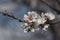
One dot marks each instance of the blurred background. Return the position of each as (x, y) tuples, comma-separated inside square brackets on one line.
[(11, 29)]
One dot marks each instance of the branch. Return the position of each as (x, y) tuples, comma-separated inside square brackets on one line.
[(12, 16), (50, 6), (55, 22), (58, 2), (5, 13)]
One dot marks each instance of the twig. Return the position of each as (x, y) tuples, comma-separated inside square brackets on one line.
[(12, 16), (55, 22), (5, 13), (58, 2), (51, 7)]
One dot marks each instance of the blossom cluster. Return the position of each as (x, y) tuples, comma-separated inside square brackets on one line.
[(34, 21)]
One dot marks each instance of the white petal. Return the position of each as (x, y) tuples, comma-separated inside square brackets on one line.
[(34, 12), (44, 29), (46, 26), (50, 16), (42, 14), (25, 31), (43, 20), (25, 24), (34, 20), (29, 13), (25, 16), (30, 21), (32, 30), (38, 21)]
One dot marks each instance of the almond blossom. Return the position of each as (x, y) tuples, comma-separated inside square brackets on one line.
[(50, 16), (45, 27), (34, 20)]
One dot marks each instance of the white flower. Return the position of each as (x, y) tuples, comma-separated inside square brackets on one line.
[(33, 14), (25, 17), (32, 30), (30, 21), (38, 21), (31, 17), (26, 24), (34, 20), (50, 16), (43, 20), (25, 30), (42, 14), (45, 27)]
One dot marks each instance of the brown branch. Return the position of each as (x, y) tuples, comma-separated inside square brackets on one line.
[(12, 16), (5, 13), (58, 2), (55, 22), (50, 6)]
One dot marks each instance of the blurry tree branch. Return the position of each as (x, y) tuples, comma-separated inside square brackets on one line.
[(5, 13), (58, 1), (57, 8)]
